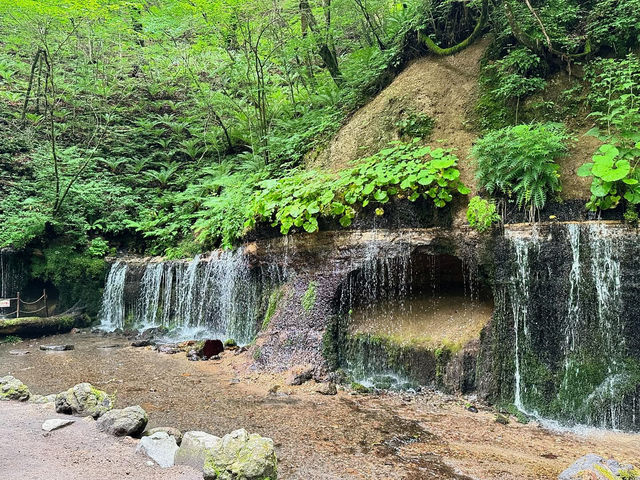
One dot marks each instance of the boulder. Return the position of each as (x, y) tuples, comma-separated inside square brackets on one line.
[(142, 343), (56, 348), (171, 431), (327, 388), (42, 399), (240, 456), (594, 467), (129, 421), (13, 389), (159, 447), (300, 374), (208, 348), (55, 424), (194, 448), (84, 399)]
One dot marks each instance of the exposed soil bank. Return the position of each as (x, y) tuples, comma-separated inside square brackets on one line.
[(343, 437)]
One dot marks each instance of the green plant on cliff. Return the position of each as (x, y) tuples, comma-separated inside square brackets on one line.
[(402, 170), (616, 104), (482, 214), (520, 163)]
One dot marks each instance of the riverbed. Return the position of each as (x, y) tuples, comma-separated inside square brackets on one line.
[(377, 436)]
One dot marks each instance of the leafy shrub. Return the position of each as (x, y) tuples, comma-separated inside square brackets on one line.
[(403, 170), (519, 162), (481, 214), (616, 107)]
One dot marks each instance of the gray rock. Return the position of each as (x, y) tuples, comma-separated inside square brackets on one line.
[(240, 456), (595, 467), (55, 424), (174, 432), (42, 399), (84, 399), (142, 343), (13, 389), (159, 447), (328, 388), (129, 421), (194, 447), (19, 352), (56, 348)]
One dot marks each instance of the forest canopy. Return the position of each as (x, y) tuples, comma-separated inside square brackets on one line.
[(152, 125)]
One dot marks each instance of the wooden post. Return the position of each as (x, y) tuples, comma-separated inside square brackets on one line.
[(46, 307), (18, 306)]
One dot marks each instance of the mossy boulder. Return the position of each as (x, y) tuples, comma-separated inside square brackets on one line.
[(13, 389), (241, 456), (41, 326), (84, 399)]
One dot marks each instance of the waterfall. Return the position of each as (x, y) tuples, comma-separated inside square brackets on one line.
[(565, 300), (218, 296), (112, 312), (12, 273)]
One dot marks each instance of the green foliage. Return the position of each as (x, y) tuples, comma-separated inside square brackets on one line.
[(482, 214), (274, 300), (616, 105), (520, 162), (308, 300), (77, 275), (403, 170), (415, 125), (505, 83), (615, 24)]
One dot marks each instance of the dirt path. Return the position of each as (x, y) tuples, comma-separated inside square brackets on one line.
[(388, 436), (73, 452)]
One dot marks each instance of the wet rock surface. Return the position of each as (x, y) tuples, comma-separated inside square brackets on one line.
[(130, 421)]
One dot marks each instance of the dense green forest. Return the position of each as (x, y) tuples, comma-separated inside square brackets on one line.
[(174, 126)]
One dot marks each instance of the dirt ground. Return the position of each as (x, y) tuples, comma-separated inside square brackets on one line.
[(73, 452), (386, 436)]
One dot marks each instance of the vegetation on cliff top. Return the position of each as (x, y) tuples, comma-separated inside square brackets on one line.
[(168, 126)]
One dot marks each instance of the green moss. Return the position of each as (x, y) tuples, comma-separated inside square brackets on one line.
[(257, 353), (359, 388), (309, 298), (274, 300)]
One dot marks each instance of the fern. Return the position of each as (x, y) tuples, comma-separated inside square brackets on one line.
[(519, 163)]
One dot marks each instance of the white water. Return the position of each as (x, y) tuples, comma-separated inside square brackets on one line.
[(112, 311), (216, 296)]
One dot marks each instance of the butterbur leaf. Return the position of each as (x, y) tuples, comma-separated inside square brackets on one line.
[(463, 189), (444, 162), (311, 225), (345, 221), (585, 170), (381, 196)]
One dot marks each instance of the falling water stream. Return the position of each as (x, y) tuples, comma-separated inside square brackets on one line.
[(215, 296)]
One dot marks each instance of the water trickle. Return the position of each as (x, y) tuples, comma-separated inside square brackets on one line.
[(570, 358)]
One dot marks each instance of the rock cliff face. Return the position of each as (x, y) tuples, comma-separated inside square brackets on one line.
[(543, 316)]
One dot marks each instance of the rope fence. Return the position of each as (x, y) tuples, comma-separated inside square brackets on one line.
[(19, 302)]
